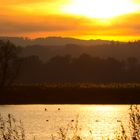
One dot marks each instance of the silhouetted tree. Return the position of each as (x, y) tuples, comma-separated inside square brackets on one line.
[(9, 63)]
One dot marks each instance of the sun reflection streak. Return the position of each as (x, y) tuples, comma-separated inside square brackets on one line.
[(104, 108)]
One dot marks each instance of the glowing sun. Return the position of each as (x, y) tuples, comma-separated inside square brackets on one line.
[(100, 8)]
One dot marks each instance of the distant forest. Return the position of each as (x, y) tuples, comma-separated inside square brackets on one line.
[(84, 68), (104, 62)]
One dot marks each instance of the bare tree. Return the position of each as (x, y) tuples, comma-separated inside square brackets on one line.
[(9, 62)]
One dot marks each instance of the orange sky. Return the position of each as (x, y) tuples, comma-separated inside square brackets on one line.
[(89, 19)]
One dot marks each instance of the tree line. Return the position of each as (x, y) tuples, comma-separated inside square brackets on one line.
[(61, 69), (84, 68)]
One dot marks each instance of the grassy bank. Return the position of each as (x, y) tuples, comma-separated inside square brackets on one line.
[(71, 94)]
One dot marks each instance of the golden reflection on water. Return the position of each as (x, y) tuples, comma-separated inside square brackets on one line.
[(104, 108), (104, 120), (101, 120)]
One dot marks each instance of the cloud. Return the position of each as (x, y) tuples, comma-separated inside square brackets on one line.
[(30, 7), (129, 23), (125, 25), (39, 23), (26, 1)]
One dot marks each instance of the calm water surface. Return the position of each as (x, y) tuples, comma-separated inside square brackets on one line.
[(40, 121)]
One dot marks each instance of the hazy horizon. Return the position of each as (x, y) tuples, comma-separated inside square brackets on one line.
[(68, 37)]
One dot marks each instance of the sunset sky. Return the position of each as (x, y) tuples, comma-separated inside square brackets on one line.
[(85, 19)]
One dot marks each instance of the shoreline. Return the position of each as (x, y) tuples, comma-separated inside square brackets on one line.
[(69, 95)]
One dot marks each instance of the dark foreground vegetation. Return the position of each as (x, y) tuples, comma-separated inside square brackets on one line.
[(11, 129)]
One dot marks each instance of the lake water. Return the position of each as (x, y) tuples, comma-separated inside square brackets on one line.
[(42, 121)]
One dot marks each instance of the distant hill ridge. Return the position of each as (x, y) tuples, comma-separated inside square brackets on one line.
[(53, 41), (46, 48)]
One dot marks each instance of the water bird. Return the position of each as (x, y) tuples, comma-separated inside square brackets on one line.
[(72, 120), (58, 108), (45, 109), (47, 120)]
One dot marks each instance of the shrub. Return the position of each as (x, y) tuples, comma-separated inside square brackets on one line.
[(134, 126), (11, 129)]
